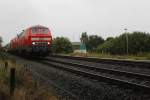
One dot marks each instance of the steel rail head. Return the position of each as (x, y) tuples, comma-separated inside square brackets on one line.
[(122, 83), (108, 60)]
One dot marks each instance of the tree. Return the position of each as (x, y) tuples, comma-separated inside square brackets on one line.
[(84, 37), (62, 45), (106, 47), (138, 42), (1, 40), (109, 38), (2, 54), (94, 41), (91, 42)]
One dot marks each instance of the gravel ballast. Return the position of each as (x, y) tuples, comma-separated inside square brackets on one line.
[(78, 87)]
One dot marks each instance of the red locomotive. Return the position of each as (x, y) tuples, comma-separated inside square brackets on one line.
[(34, 40)]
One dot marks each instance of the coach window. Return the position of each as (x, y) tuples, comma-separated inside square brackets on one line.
[(22, 34), (36, 30)]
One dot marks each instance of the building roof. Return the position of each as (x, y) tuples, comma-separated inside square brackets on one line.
[(76, 43)]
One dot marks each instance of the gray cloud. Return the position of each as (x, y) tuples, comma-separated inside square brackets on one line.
[(71, 17)]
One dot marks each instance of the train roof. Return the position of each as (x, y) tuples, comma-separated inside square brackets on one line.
[(38, 26), (29, 28)]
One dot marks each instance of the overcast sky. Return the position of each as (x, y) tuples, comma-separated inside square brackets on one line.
[(70, 18)]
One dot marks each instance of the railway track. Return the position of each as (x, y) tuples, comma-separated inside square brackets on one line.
[(130, 79), (97, 73), (65, 92), (132, 63)]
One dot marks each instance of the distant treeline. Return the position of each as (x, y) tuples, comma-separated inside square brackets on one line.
[(131, 43), (127, 43)]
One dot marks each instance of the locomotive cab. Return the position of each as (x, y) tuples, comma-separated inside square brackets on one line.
[(40, 40), (35, 40)]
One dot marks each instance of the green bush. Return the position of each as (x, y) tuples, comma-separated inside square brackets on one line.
[(62, 45)]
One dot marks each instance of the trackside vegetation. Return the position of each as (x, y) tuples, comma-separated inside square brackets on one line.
[(138, 44), (62, 45), (112, 47), (91, 41), (1, 40), (27, 88)]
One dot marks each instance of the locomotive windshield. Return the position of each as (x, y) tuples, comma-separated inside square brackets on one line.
[(40, 30)]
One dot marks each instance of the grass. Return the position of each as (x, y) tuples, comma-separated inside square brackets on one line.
[(4, 83), (26, 87), (145, 56)]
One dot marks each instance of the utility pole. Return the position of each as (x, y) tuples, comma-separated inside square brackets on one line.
[(127, 41)]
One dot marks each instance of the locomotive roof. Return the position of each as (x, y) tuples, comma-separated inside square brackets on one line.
[(29, 28), (38, 26)]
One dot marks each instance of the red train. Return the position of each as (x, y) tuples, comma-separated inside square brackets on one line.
[(33, 40)]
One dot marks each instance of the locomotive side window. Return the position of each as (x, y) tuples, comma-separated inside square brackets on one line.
[(21, 35), (40, 30)]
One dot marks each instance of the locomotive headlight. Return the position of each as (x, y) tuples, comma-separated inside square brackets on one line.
[(33, 43), (48, 43)]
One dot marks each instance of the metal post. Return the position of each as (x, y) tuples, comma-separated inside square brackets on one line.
[(12, 80), (6, 65)]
